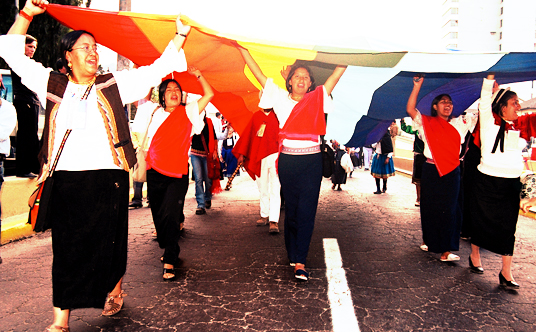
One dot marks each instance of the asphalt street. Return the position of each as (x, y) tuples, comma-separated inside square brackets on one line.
[(234, 276)]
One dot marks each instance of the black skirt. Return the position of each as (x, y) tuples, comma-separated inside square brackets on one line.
[(89, 218), (494, 212), (440, 210)]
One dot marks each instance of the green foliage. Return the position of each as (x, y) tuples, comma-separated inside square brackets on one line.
[(47, 30)]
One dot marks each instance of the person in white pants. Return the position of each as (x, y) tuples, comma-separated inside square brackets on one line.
[(257, 151), (367, 156)]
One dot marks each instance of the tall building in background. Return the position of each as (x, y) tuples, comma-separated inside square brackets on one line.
[(489, 25), (492, 26)]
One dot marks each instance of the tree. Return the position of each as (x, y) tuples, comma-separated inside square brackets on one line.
[(47, 30)]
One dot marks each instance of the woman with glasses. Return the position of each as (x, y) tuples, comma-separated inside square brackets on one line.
[(440, 180), (88, 210)]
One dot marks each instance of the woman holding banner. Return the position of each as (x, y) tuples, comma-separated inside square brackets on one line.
[(88, 209), (300, 110)]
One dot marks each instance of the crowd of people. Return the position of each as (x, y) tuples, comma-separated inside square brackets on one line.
[(280, 149)]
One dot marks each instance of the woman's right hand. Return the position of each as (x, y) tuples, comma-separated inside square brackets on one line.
[(417, 80), (35, 7)]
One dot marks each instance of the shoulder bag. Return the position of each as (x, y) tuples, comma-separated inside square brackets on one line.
[(139, 171)]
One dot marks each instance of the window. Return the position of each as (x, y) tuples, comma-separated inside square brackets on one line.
[(500, 36), (500, 47), (502, 10), (454, 10), (453, 23), (453, 35), (501, 23)]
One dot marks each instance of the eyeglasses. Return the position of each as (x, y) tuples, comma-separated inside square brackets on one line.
[(87, 48)]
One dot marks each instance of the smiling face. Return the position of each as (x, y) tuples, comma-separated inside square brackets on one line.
[(300, 82), (444, 107), (84, 58), (509, 112), (172, 95)]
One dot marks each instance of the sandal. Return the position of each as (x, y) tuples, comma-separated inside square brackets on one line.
[(110, 306), (53, 328), (301, 275), (169, 271)]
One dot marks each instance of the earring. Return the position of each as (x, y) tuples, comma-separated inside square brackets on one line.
[(70, 65)]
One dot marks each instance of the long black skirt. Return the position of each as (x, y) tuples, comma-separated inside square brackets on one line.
[(440, 211), (89, 218), (494, 212)]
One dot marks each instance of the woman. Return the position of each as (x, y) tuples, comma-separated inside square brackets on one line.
[(496, 201), (440, 181), (170, 133), (301, 106), (339, 173), (229, 160), (382, 162), (88, 208)]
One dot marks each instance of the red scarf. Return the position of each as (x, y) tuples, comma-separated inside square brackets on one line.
[(306, 121), (444, 142), (168, 153), (255, 147)]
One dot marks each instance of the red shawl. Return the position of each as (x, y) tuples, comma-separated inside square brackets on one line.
[(444, 142), (306, 121), (254, 147), (212, 146), (168, 153)]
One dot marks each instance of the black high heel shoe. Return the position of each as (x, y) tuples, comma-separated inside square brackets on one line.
[(475, 269), (507, 284)]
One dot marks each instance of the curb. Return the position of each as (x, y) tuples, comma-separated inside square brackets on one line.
[(15, 228)]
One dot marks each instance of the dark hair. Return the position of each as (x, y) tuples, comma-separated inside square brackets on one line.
[(59, 64), (67, 43), (162, 92), (436, 100), (291, 73), (497, 105), (30, 39)]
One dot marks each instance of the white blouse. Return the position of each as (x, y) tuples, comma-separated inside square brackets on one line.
[(87, 147)]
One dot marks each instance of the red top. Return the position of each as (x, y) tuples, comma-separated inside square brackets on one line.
[(444, 142), (168, 153), (255, 147)]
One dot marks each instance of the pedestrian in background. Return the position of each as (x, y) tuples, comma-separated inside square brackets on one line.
[(257, 150), (418, 159), (339, 173), (8, 120), (440, 183), (383, 166), (88, 209), (27, 105)]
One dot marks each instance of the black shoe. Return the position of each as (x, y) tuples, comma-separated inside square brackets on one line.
[(507, 284), (135, 205), (27, 175), (377, 192), (200, 211), (475, 269), (208, 204)]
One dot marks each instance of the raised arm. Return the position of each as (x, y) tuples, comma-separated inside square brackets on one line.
[(253, 66), (31, 8), (333, 79), (208, 93), (412, 101), (181, 34)]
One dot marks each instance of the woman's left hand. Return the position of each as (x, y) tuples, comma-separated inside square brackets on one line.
[(386, 161), (194, 71)]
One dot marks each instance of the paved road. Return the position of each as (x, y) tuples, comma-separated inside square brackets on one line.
[(234, 276)]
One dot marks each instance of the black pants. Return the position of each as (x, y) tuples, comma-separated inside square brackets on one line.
[(167, 207), (27, 140)]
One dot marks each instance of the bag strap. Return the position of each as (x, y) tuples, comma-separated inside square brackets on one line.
[(205, 144), (147, 131)]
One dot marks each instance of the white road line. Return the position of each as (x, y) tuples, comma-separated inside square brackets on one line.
[(340, 298)]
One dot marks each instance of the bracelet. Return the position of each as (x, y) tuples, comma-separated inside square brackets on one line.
[(198, 77), (26, 16), (181, 34)]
